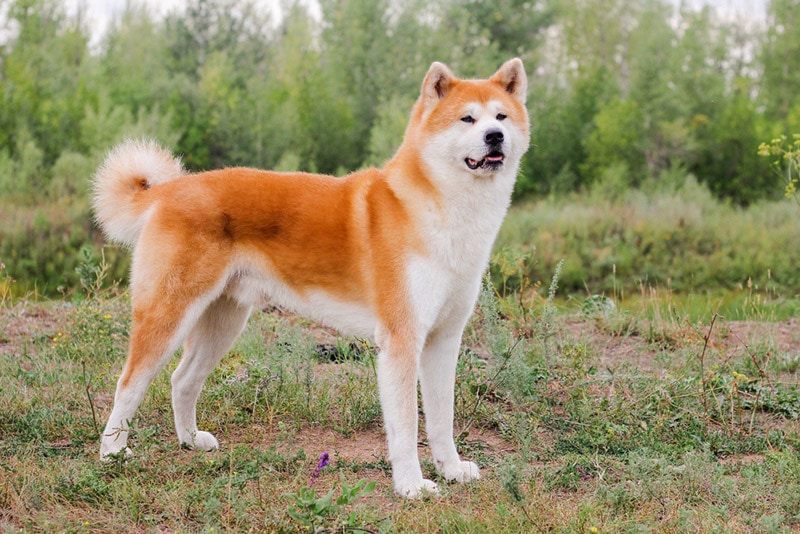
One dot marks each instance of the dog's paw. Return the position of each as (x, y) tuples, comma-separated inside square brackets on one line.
[(461, 472), (115, 455), (416, 491), (201, 440)]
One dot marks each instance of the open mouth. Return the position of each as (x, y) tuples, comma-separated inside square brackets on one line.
[(493, 160)]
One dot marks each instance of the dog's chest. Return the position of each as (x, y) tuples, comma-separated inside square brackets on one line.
[(460, 237)]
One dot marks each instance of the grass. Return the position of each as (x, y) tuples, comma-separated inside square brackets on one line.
[(597, 394), (675, 237), (643, 415)]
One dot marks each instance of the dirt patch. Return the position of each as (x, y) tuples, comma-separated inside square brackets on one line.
[(24, 324), (363, 447), (366, 446), (639, 348)]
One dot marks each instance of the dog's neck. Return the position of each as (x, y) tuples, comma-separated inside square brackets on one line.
[(459, 213)]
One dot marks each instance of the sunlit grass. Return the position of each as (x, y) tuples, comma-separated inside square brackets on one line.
[(734, 305)]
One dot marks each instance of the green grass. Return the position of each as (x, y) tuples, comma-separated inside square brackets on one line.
[(639, 418)]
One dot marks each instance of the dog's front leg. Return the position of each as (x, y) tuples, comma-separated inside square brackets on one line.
[(437, 381), (397, 385)]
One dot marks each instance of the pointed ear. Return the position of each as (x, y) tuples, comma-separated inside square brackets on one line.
[(511, 76), (437, 82)]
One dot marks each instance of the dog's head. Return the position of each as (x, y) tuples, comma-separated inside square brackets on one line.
[(474, 127)]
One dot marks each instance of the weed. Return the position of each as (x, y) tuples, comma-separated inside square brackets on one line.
[(511, 478), (598, 307), (547, 321), (312, 511), (510, 265), (6, 283), (91, 272), (84, 486), (344, 351), (787, 162), (504, 372)]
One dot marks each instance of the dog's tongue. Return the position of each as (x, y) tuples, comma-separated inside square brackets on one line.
[(491, 158)]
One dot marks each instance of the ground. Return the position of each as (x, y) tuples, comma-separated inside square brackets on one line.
[(24, 324), (569, 482)]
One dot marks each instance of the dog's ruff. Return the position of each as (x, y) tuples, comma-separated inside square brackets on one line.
[(395, 255)]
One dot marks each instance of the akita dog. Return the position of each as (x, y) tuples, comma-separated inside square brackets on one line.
[(395, 255)]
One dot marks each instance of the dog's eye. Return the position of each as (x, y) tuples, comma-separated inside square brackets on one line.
[(500, 117), (468, 119)]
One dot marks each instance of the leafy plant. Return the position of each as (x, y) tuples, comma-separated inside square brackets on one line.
[(91, 271), (312, 511), (787, 162), (598, 306)]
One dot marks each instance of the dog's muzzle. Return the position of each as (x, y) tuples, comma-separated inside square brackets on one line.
[(494, 159)]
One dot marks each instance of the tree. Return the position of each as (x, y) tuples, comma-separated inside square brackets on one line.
[(133, 62), (42, 78), (731, 166), (358, 50), (503, 28), (214, 48), (779, 54), (595, 35)]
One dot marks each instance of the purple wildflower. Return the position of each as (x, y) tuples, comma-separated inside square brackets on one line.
[(324, 458)]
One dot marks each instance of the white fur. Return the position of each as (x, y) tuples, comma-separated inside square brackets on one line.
[(444, 286), (143, 159), (250, 288)]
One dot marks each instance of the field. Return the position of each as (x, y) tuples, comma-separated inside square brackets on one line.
[(604, 414), (632, 365)]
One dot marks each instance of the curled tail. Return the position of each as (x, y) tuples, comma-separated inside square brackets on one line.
[(130, 169)]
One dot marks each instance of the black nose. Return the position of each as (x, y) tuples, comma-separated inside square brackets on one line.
[(493, 137)]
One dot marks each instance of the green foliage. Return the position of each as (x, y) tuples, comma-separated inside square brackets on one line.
[(672, 235), (6, 283), (312, 511), (41, 247), (598, 306), (786, 162), (781, 42), (91, 272), (616, 141)]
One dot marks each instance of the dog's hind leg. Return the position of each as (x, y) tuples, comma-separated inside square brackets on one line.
[(154, 339), (161, 321), (211, 338)]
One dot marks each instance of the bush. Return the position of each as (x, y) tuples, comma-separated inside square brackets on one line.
[(676, 237), (41, 246)]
